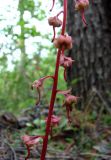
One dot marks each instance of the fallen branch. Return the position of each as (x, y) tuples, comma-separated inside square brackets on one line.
[(12, 149), (95, 155)]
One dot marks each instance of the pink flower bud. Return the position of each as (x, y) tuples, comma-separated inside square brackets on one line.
[(68, 102), (54, 21), (37, 84), (66, 61), (71, 99), (31, 140), (54, 120), (63, 41), (81, 4)]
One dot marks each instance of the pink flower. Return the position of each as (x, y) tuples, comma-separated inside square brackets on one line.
[(30, 141), (68, 102), (54, 120), (37, 84), (63, 41), (55, 22), (65, 62), (70, 99), (81, 5)]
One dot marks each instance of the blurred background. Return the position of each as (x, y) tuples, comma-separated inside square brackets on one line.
[(27, 54)]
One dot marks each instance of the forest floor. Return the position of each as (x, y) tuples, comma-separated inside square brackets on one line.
[(83, 140)]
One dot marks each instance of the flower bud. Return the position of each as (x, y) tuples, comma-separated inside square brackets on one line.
[(54, 120), (54, 21), (37, 84), (81, 4), (64, 41), (66, 61), (31, 140), (70, 99)]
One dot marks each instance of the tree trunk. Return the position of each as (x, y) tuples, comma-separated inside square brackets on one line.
[(91, 73)]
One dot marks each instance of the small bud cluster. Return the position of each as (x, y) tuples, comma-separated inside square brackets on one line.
[(62, 42)]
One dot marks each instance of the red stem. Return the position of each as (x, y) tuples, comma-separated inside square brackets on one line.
[(64, 18), (83, 17), (65, 74), (28, 149), (62, 50), (54, 89), (54, 34), (48, 77), (53, 96), (59, 13), (52, 5)]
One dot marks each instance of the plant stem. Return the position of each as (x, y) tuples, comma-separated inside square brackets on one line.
[(54, 89), (28, 155), (64, 18), (53, 96)]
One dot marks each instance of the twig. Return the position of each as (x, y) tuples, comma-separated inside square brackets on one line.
[(95, 155), (13, 151), (90, 101), (58, 157), (94, 93), (103, 100)]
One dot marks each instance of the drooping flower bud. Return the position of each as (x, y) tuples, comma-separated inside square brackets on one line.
[(65, 62), (63, 41), (81, 5), (54, 120), (70, 99), (30, 141), (54, 21), (37, 84), (68, 102)]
